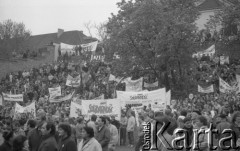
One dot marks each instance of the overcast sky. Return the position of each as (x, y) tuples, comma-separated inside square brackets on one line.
[(46, 16)]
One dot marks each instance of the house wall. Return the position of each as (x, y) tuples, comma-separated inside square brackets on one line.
[(203, 19)]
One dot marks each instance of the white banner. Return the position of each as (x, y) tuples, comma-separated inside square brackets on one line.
[(66, 48), (136, 117), (97, 57), (224, 60), (90, 46), (156, 98), (109, 107), (208, 52), (168, 98), (205, 90), (30, 109), (238, 83), (61, 98), (151, 85), (75, 110), (224, 87), (134, 85), (73, 82), (1, 100), (53, 92), (13, 97)]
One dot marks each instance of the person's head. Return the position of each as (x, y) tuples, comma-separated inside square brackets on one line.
[(165, 120), (87, 132), (8, 135), (20, 142), (236, 118), (168, 113), (48, 128), (101, 121), (187, 122), (183, 113), (141, 118), (94, 117), (64, 130), (201, 121), (108, 121), (223, 117), (80, 120), (31, 124)]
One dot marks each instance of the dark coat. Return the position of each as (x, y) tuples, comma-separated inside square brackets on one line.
[(67, 144), (5, 147), (34, 138), (49, 143), (103, 137)]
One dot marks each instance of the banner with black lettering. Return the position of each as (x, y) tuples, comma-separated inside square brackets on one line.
[(29, 110), (150, 85), (208, 89), (156, 98), (13, 97), (208, 52), (58, 99), (54, 92), (109, 107), (168, 97), (1, 100), (75, 110), (224, 87), (89, 46), (73, 82), (95, 57), (134, 85)]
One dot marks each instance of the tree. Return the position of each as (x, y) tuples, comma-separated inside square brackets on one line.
[(152, 35), (12, 36)]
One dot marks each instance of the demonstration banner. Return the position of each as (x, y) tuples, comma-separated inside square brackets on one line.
[(89, 47), (58, 99), (113, 78), (53, 92), (75, 110), (208, 52), (224, 60), (224, 87), (150, 85), (13, 97), (238, 83), (30, 110), (134, 85), (1, 100), (205, 90), (95, 57), (168, 98), (73, 82), (109, 107), (156, 98)]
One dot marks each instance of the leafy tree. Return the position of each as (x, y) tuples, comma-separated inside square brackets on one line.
[(12, 36), (154, 36)]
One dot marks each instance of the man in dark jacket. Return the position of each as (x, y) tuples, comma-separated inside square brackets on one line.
[(34, 137), (103, 133), (66, 142), (49, 142)]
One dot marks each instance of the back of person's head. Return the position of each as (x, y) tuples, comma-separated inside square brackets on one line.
[(51, 125), (7, 134), (203, 120), (66, 127), (80, 120), (94, 117), (32, 123), (183, 113), (18, 142), (103, 119), (89, 131)]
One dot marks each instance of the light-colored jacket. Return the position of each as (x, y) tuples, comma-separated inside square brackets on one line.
[(92, 145), (131, 124), (113, 134)]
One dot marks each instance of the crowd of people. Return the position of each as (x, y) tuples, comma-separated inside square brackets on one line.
[(54, 130)]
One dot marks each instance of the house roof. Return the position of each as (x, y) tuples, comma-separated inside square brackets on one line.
[(210, 5), (74, 37)]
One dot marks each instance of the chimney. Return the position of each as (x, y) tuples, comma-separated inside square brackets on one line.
[(60, 32)]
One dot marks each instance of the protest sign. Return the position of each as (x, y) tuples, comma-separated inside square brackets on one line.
[(95, 57), (75, 110), (1, 100), (208, 89), (109, 107), (53, 92), (156, 98), (73, 82), (13, 97), (89, 46), (134, 85), (224, 87), (61, 98), (150, 85), (30, 110), (208, 52)]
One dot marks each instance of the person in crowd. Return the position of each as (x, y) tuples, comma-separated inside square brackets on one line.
[(123, 129), (189, 128), (92, 123), (113, 135), (79, 128), (140, 141), (31, 125), (49, 142), (35, 137), (20, 143), (103, 133), (201, 123), (66, 142), (89, 143), (8, 136), (130, 128), (235, 124), (115, 122)]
